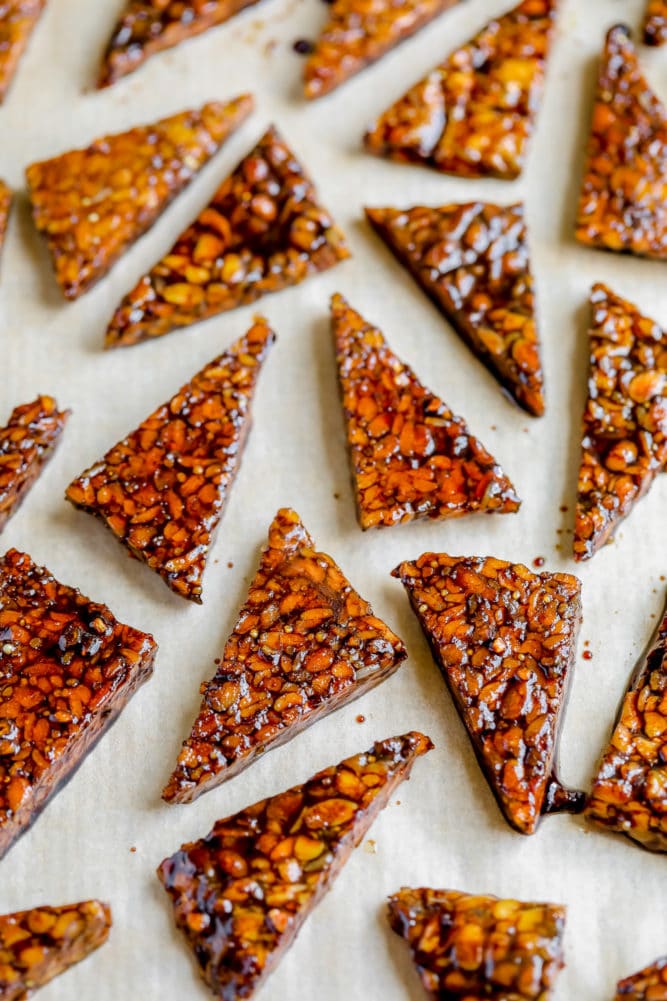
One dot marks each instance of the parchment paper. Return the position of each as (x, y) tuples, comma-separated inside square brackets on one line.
[(447, 830)]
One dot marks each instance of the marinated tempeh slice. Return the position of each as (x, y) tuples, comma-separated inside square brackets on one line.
[(472, 260), (68, 669), (162, 490), (475, 113), (474, 947), (40, 944), (629, 793), (505, 641), (241, 895), (624, 439), (263, 231), (5, 206), (623, 202), (655, 27), (305, 644), (147, 27), (92, 204), (26, 445), (649, 984), (411, 456), (359, 32), (17, 22)]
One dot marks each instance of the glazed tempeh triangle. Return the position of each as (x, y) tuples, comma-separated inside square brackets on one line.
[(92, 204), (162, 490), (241, 895), (473, 261), (17, 22), (505, 641), (474, 114), (411, 456), (305, 644)]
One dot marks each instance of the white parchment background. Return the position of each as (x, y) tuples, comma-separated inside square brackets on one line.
[(447, 830)]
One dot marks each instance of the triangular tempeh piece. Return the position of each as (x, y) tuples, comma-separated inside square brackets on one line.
[(650, 984), (40, 944), (17, 22), (162, 490), (92, 204), (26, 445), (470, 946), (5, 206), (655, 26), (472, 260), (68, 669), (147, 27), (474, 114), (304, 645), (622, 206), (628, 794), (505, 641), (624, 441), (241, 895), (358, 33), (411, 456), (263, 231)]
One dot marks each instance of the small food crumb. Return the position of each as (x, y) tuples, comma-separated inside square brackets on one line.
[(230, 565), (564, 508), (398, 802), (133, 849), (361, 719), (539, 561), (336, 496), (588, 655), (371, 847), (303, 46)]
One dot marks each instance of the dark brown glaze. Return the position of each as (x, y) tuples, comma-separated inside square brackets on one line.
[(473, 261), (505, 641), (6, 198), (411, 456), (655, 25), (629, 794), (263, 231), (475, 113), (623, 203), (92, 204), (17, 22), (473, 947), (241, 895), (649, 984), (40, 944), (624, 439), (26, 445), (147, 27), (305, 644), (68, 668), (162, 490), (358, 33)]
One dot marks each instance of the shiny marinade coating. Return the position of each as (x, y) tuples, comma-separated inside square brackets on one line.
[(473, 261), (475, 113), (655, 25), (629, 793), (5, 206), (68, 668), (649, 984), (162, 490), (472, 947), (358, 32), (505, 641), (17, 21), (263, 231), (411, 456), (40, 944), (26, 445), (241, 895), (623, 203), (92, 204), (305, 644), (147, 27), (624, 440)]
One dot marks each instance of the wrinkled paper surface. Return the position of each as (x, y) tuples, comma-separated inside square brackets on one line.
[(443, 828)]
